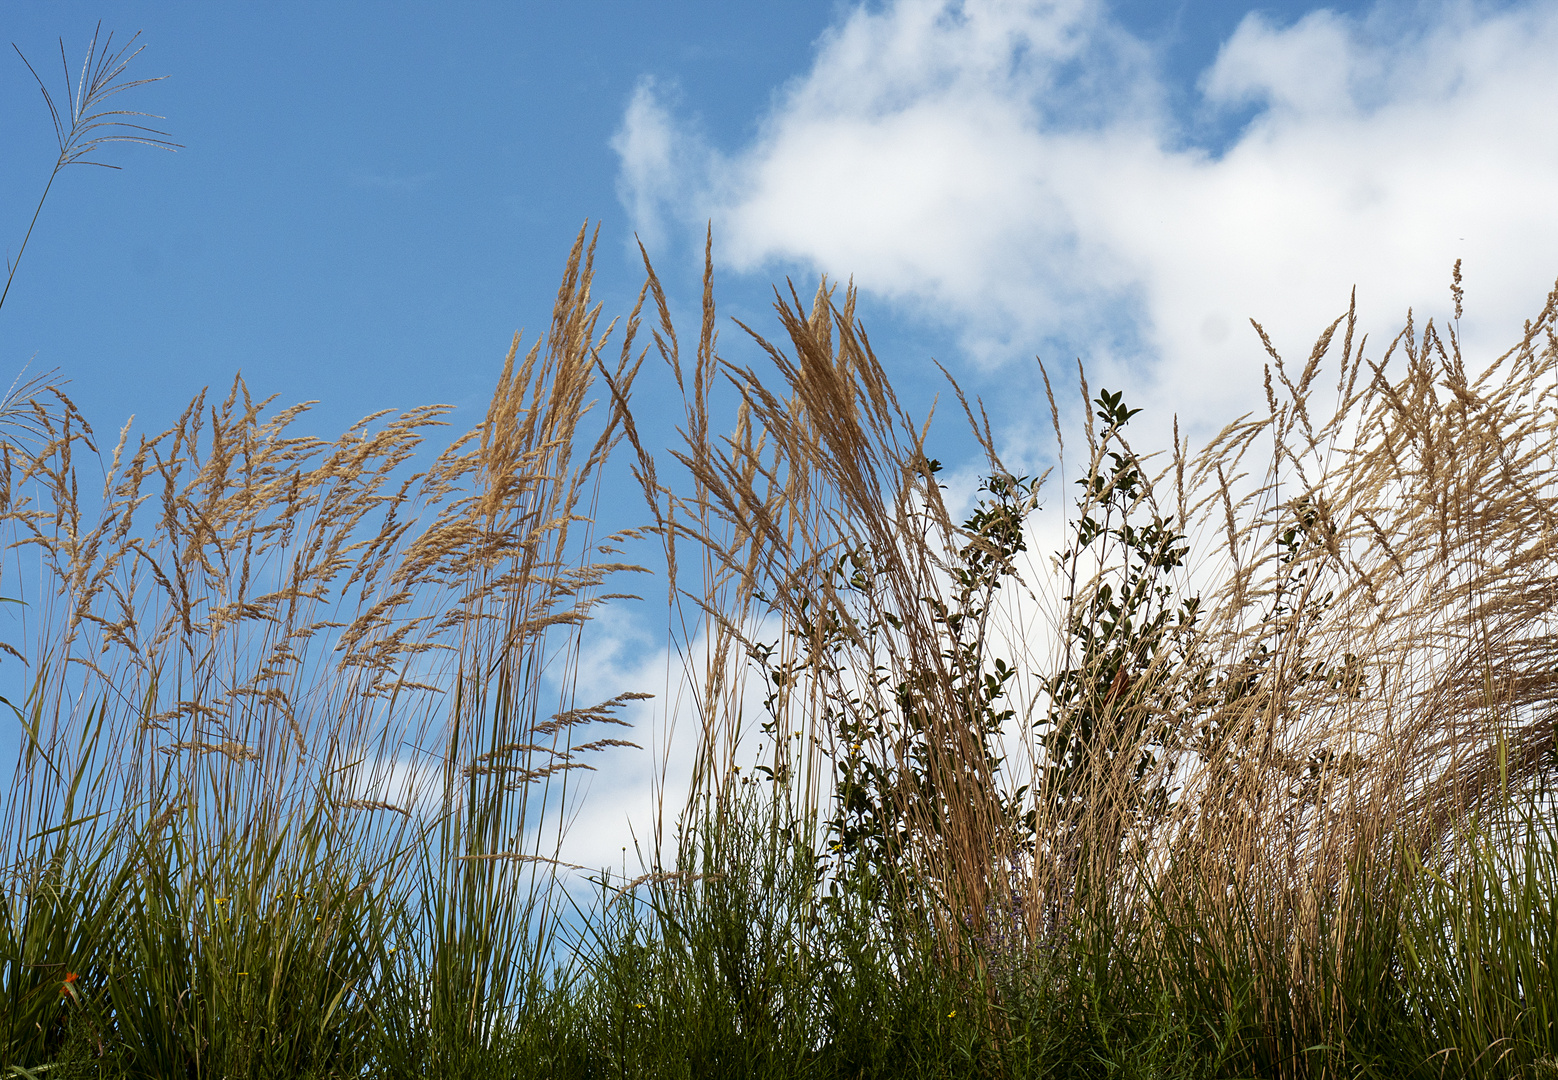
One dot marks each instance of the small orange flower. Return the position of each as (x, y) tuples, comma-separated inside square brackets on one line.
[(70, 977)]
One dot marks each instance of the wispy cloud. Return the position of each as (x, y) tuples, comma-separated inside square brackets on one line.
[(659, 154), (1014, 167)]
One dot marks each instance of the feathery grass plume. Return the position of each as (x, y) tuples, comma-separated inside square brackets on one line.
[(820, 508), (272, 678), (1362, 669), (1373, 673)]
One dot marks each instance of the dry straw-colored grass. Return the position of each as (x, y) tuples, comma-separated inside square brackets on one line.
[(1346, 700), (233, 630), (225, 624)]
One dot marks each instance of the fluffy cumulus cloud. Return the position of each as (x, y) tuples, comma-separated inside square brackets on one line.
[(1021, 168)]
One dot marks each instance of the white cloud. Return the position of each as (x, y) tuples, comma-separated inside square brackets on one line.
[(1013, 167), (617, 807), (656, 156)]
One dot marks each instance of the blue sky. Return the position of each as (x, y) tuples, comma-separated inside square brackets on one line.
[(366, 208), (370, 199)]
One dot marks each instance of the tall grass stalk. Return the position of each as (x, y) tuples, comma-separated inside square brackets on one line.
[(83, 125)]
